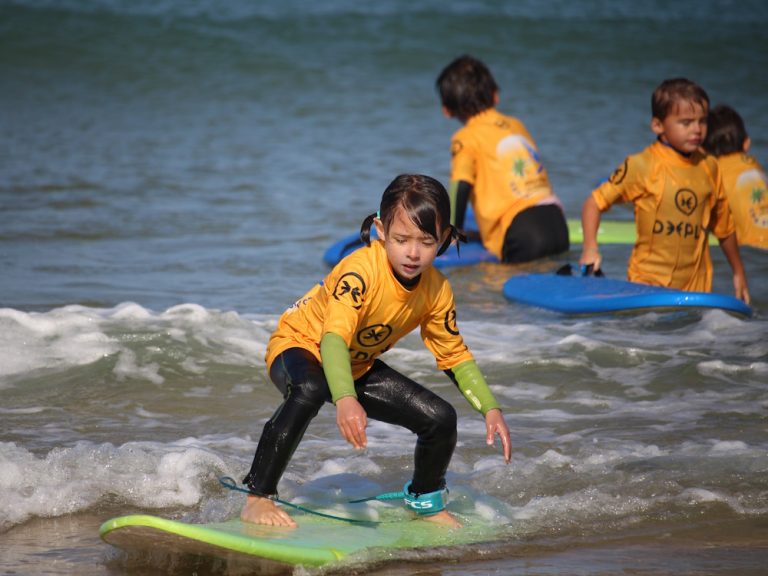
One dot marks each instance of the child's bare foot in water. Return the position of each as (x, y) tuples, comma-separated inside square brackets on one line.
[(258, 510), (444, 518)]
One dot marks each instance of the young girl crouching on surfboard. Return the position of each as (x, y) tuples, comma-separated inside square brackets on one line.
[(326, 348)]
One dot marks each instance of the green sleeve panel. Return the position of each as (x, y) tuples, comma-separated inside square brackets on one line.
[(337, 366), (470, 381), (453, 189)]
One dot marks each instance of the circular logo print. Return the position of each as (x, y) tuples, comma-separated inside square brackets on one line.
[(686, 201), (618, 175), (450, 322), (373, 335), (350, 289)]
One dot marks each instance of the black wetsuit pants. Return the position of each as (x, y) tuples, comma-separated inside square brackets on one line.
[(536, 232), (385, 395)]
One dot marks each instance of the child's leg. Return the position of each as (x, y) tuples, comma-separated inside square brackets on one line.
[(388, 396), (300, 378)]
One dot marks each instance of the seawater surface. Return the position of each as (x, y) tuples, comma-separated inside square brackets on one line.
[(170, 175)]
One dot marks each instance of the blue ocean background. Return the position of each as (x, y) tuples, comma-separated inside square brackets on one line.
[(170, 175)]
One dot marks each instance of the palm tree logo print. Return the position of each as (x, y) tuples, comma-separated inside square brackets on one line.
[(350, 288)]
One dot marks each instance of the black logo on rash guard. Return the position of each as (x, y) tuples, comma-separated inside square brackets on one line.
[(456, 147), (680, 229), (373, 335), (350, 289), (686, 201), (450, 322), (619, 174)]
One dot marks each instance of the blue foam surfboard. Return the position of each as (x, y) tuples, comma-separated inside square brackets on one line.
[(469, 253), (594, 295), (473, 252)]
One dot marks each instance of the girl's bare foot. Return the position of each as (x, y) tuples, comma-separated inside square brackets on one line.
[(258, 510), (444, 518)]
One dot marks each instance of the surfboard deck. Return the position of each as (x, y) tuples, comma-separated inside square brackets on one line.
[(473, 252), (591, 295), (609, 232), (315, 542), (612, 232)]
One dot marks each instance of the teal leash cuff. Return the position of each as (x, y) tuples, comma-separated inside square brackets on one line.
[(423, 504), (426, 504)]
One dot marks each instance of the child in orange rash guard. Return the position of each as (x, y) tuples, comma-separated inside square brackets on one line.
[(326, 348), (745, 182), (495, 164), (678, 198)]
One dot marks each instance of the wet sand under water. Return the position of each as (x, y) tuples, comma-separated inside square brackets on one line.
[(71, 545)]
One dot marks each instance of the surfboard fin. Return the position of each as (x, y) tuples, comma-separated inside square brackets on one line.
[(585, 269)]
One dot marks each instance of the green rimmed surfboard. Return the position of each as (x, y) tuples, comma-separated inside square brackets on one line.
[(316, 541)]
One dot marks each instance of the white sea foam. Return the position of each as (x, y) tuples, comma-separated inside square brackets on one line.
[(359, 465), (714, 367), (729, 447), (610, 426), (694, 496), (523, 391), (77, 336), (143, 413), (127, 366), (29, 410), (199, 392), (68, 480), (61, 338)]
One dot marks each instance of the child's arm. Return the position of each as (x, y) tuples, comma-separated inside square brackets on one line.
[(730, 248), (590, 222), (459, 193), (474, 388), (350, 415)]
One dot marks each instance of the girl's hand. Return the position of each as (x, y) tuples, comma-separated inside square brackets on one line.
[(495, 424), (352, 421)]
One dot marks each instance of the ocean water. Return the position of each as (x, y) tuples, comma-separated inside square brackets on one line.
[(170, 175)]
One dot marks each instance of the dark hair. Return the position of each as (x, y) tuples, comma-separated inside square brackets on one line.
[(725, 131), (673, 91), (466, 87), (426, 203)]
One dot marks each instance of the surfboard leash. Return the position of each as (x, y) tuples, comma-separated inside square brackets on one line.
[(381, 497), (231, 484)]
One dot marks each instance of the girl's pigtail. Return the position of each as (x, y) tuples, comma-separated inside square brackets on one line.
[(453, 236), (365, 229)]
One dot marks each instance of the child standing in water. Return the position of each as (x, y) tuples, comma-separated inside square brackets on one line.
[(678, 199), (495, 165), (745, 182), (326, 349)]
